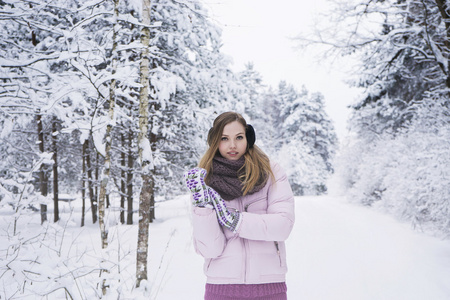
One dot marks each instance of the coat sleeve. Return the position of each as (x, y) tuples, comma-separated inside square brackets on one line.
[(209, 238), (277, 224)]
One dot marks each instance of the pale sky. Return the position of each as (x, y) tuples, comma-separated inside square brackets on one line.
[(259, 31)]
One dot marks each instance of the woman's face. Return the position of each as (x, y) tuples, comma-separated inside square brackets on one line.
[(233, 143)]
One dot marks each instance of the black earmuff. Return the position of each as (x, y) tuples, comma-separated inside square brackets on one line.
[(250, 135)]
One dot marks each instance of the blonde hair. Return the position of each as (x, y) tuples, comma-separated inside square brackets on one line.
[(257, 163)]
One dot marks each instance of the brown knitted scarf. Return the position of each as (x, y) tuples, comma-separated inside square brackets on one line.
[(225, 178)]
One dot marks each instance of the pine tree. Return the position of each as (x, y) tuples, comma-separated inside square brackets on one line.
[(307, 139), (190, 78), (253, 97), (403, 50)]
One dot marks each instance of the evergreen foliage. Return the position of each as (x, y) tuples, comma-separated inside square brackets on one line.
[(308, 141), (397, 155), (294, 129)]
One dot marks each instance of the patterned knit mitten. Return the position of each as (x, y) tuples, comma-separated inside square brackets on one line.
[(230, 220), (195, 182)]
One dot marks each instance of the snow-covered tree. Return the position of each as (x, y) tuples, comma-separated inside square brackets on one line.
[(293, 128), (70, 44), (394, 157), (307, 140), (72, 62), (190, 79), (403, 51), (254, 95)]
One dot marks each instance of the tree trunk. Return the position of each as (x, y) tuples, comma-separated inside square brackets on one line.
[(96, 171), (83, 185), (152, 197), (153, 142), (154, 137), (42, 174), (144, 151), (104, 193), (143, 230), (122, 179), (43, 213), (130, 179), (55, 171), (90, 182), (108, 136), (43, 180)]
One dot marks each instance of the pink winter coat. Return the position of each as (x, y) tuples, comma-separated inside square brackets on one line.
[(256, 253)]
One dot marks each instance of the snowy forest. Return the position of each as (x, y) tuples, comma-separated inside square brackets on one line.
[(397, 157), (105, 103)]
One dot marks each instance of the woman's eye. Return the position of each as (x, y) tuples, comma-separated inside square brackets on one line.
[(224, 139), (240, 137)]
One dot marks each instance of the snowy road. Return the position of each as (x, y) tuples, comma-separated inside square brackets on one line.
[(336, 251), (342, 251)]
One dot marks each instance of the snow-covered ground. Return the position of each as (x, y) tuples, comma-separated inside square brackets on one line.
[(337, 250), (341, 251)]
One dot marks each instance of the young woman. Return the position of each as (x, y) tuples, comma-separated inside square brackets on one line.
[(243, 211)]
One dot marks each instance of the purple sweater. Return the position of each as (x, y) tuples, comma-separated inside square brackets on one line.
[(265, 291)]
